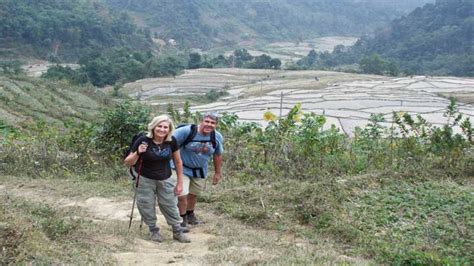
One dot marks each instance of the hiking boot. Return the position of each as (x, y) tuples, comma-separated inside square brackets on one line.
[(156, 236), (178, 234), (185, 229), (193, 220), (181, 237), (185, 220)]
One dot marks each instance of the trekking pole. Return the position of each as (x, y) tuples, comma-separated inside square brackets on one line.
[(135, 194)]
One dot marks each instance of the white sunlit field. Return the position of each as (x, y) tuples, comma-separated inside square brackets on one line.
[(347, 100)]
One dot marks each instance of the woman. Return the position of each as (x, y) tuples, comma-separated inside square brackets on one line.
[(155, 150)]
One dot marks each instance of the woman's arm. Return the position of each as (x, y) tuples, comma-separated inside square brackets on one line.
[(178, 164), (132, 158)]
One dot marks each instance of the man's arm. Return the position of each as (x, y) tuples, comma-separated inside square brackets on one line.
[(217, 158)]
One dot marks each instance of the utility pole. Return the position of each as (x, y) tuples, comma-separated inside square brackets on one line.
[(281, 103)]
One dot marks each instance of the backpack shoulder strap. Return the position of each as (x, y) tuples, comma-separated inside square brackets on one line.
[(213, 139), (191, 135)]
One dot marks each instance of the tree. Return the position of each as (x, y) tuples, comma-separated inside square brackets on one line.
[(372, 65), (309, 60), (195, 61), (241, 56), (275, 63), (375, 65)]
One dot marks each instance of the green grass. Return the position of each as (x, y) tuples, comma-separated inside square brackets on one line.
[(385, 218)]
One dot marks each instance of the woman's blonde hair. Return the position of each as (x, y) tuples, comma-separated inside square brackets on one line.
[(158, 119)]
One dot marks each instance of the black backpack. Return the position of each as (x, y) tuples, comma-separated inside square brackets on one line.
[(193, 133), (134, 138)]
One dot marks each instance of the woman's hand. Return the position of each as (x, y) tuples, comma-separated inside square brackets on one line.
[(178, 189), (142, 148)]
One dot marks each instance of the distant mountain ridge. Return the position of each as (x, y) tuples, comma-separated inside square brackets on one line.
[(209, 23)]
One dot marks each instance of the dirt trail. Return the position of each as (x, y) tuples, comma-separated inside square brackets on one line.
[(143, 251), (220, 241)]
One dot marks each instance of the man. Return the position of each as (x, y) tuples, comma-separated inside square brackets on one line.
[(195, 154)]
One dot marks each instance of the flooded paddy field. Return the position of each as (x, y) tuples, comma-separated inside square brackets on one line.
[(347, 100)]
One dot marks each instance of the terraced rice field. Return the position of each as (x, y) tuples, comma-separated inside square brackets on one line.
[(347, 100)]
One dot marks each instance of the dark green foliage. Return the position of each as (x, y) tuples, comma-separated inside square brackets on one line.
[(195, 61), (213, 95), (117, 66), (117, 127), (241, 57), (336, 60), (264, 62), (205, 24), (220, 61), (165, 66), (375, 65), (64, 30), (11, 66), (435, 39), (58, 72)]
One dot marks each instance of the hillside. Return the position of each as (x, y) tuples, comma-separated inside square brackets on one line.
[(24, 99), (59, 30), (436, 39), (205, 24)]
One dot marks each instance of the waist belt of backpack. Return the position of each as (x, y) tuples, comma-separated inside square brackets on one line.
[(195, 171)]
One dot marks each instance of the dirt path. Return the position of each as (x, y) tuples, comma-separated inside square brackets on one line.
[(220, 241), (143, 252)]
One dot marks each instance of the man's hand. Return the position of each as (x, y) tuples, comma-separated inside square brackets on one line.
[(216, 178)]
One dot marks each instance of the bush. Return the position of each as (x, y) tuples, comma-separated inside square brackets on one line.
[(117, 127)]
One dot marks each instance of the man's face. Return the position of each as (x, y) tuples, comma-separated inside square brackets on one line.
[(207, 125)]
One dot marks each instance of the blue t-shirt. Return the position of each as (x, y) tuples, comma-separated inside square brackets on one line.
[(198, 152)]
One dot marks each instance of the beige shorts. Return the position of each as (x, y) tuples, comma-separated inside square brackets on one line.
[(191, 185)]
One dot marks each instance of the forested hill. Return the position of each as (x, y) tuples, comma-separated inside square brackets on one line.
[(208, 23), (435, 39), (60, 30)]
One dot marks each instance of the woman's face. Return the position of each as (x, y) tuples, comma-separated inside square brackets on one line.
[(162, 129)]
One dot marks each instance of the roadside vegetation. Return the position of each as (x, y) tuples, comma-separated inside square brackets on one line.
[(400, 195)]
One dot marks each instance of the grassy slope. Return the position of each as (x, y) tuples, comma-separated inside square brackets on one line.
[(384, 217), (23, 98)]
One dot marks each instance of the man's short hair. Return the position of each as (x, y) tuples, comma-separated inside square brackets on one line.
[(212, 115)]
